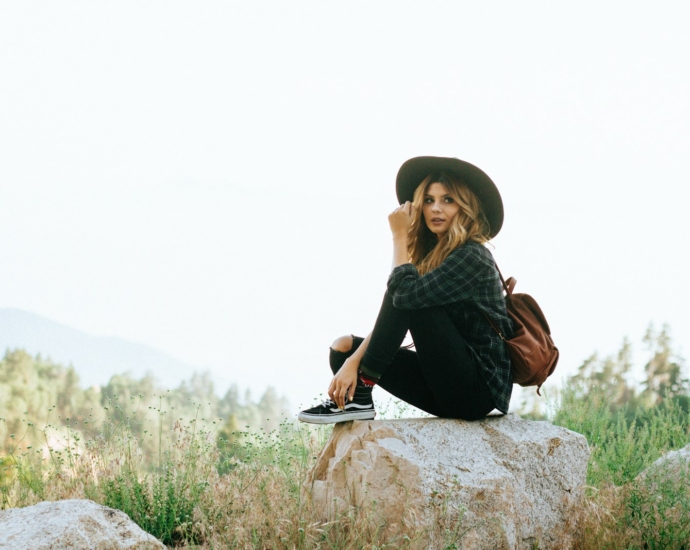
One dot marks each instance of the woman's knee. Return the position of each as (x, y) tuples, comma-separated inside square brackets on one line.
[(343, 344)]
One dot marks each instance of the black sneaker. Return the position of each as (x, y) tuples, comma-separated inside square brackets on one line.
[(360, 408)]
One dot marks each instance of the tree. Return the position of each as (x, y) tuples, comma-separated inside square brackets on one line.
[(664, 371), (273, 409), (229, 442), (607, 378), (35, 391)]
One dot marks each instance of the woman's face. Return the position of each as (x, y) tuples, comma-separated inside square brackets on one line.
[(439, 209)]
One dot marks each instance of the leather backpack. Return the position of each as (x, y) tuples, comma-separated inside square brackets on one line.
[(533, 355)]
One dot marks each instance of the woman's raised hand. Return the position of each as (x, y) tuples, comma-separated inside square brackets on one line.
[(400, 220)]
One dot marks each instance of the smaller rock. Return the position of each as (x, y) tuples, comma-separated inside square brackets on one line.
[(667, 477), (658, 502), (73, 525), (671, 461)]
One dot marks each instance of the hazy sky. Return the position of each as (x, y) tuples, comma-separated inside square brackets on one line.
[(213, 179)]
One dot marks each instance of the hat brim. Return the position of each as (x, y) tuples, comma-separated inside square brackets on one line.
[(413, 172)]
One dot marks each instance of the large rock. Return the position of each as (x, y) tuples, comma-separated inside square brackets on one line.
[(497, 483), (74, 525)]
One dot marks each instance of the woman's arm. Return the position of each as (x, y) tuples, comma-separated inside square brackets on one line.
[(460, 276), (400, 221), (345, 380)]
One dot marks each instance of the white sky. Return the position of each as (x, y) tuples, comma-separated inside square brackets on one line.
[(213, 179)]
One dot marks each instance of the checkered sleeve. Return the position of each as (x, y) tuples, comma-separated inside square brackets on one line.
[(456, 279)]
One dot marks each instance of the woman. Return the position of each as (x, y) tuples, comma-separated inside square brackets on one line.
[(444, 288)]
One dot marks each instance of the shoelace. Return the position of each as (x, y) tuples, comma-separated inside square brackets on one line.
[(327, 403)]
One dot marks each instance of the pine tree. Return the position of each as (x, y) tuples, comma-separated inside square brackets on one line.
[(607, 378), (664, 371)]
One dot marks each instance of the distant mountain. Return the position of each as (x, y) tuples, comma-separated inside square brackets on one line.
[(95, 358)]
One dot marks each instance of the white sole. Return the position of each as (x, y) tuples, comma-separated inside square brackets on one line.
[(328, 419)]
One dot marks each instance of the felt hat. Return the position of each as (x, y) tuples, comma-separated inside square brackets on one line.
[(413, 172)]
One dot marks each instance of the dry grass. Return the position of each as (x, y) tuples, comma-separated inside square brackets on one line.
[(629, 503), (248, 492), (618, 518)]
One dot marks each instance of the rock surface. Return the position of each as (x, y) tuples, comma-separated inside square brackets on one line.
[(501, 482), (668, 478), (72, 524), (673, 461)]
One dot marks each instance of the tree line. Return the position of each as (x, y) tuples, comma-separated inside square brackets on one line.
[(42, 405), (611, 382)]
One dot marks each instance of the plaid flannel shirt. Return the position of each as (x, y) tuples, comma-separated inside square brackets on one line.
[(467, 285)]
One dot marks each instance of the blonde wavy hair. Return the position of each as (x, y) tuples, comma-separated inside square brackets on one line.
[(426, 251)]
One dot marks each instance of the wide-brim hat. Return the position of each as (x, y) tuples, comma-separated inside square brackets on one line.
[(413, 172)]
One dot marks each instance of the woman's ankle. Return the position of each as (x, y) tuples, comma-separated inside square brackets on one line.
[(366, 379)]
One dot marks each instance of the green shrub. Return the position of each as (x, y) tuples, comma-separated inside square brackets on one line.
[(657, 507), (622, 444)]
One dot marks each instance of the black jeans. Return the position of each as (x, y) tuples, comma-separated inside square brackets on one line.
[(440, 377)]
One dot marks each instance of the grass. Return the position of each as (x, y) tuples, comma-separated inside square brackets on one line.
[(197, 489), (626, 505), (204, 488)]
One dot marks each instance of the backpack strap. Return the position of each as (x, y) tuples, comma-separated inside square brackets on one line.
[(507, 286)]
